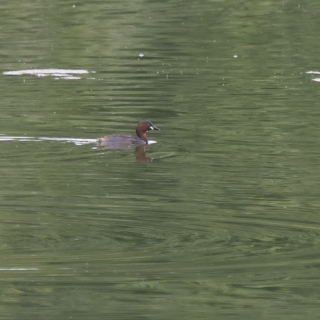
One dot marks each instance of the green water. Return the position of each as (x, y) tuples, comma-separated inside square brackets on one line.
[(224, 222)]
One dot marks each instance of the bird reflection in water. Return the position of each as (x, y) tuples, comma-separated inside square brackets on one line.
[(140, 154)]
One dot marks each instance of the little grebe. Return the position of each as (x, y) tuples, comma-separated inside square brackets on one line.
[(121, 141)]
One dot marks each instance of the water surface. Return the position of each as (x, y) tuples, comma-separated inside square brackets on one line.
[(222, 222)]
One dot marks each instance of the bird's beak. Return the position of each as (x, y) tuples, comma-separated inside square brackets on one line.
[(154, 128)]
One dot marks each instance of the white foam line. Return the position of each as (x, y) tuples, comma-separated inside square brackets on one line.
[(73, 140), (19, 269), (42, 72), (66, 139), (313, 72), (7, 138)]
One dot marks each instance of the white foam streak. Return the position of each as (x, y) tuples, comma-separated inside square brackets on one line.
[(67, 74), (72, 140), (19, 269), (313, 72)]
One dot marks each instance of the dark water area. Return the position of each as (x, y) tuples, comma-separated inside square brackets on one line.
[(221, 222)]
